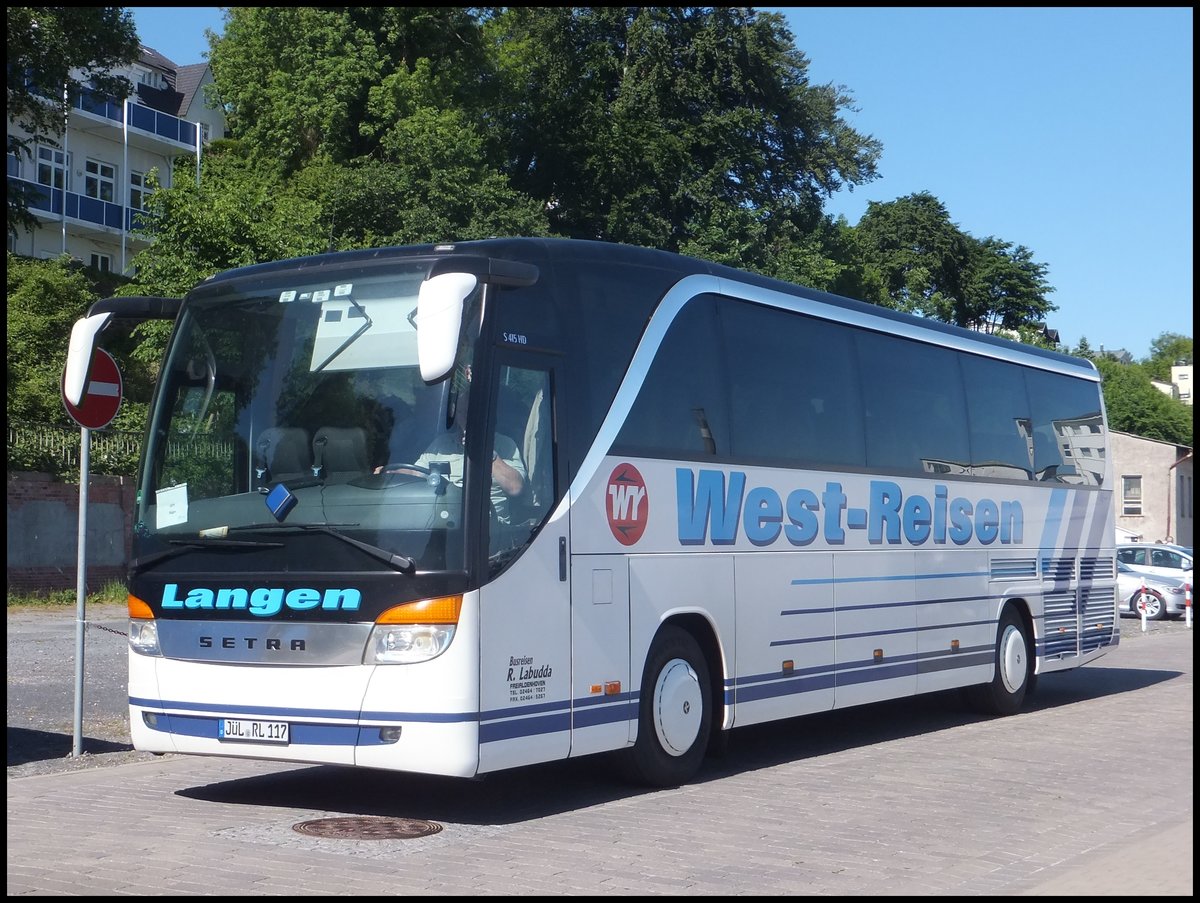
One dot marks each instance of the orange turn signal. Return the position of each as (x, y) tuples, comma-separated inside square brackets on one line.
[(139, 609), (441, 610)]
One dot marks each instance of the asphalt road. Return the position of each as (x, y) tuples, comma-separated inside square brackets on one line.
[(1088, 792)]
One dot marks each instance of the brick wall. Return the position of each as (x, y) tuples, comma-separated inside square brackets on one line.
[(43, 532)]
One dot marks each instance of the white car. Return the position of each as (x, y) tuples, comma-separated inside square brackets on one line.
[(1157, 558), (1162, 596)]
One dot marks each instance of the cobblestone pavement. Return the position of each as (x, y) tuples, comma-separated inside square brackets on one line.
[(1088, 792)]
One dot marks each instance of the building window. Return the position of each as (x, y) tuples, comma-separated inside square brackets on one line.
[(149, 78), (1131, 495), (52, 167), (14, 166), (102, 262), (101, 180), (138, 192)]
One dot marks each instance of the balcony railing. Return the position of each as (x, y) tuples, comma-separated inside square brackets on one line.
[(146, 120), (80, 207)]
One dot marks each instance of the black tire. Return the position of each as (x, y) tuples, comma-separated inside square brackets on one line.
[(674, 713), (1156, 608), (1005, 693)]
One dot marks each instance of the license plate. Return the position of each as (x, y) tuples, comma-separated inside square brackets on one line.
[(252, 731)]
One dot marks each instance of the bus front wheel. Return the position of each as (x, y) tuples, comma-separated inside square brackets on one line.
[(675, 712), (1013, 680)]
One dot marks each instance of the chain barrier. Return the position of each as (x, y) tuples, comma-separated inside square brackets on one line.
[(100, 626)]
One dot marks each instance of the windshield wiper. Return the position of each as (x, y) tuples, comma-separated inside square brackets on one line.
[(350, 340), (185, 545), (401, 563)]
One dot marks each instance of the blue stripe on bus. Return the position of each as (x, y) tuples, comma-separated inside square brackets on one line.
[(1054, 512), (874, 633), (524, 727), (256, 711), (825, 581), (922, 662), (882, 605)]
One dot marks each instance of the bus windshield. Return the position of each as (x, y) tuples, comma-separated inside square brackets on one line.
[(291, 404)]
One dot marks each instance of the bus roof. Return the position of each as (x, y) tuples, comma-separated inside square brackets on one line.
[(534, 250)]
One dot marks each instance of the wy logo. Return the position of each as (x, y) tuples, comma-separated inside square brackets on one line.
[(628, 505)]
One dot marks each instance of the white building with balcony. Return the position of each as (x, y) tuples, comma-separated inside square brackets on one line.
[(86, 192)]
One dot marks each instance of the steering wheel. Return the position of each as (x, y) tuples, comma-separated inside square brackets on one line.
[(400, 466)]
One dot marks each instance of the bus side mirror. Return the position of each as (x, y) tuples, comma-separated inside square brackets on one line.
[(79, 355), (438, 320), (82, 347)]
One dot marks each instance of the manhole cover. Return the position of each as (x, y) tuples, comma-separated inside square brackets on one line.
[(360, 827)]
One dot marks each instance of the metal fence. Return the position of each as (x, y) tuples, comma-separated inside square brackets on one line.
[(41, 446)]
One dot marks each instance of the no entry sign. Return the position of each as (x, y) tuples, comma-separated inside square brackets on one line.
[(102, 399)]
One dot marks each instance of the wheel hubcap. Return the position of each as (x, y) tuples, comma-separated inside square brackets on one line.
[(1012, 659), (678, 707)]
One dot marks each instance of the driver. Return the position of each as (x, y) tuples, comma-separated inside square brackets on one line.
[(508, 470)]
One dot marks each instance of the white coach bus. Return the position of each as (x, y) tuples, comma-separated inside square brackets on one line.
[(458, 508)]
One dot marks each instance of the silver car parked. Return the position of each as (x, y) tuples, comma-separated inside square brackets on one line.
[(1162, 596)]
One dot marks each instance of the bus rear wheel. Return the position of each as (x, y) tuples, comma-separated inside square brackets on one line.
[(1005, 693), (674, 714)]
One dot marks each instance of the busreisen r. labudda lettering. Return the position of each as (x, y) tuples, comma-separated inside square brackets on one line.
[(708, 510)]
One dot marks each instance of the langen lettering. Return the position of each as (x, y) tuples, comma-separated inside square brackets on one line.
[(262, 602)]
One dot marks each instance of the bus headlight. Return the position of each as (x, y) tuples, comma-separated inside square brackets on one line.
[(402, 645), (413, 632), (143, 637), (143, 629)]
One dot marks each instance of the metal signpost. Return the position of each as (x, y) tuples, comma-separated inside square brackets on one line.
[(96, 409)]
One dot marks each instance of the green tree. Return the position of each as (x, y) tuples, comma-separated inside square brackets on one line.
[(54, 53), (1135, 406), (1168, 349), (45, 298), (921, 256), (430, 182), (240, 213), (1004, 287), (692, 129), (306, 84)]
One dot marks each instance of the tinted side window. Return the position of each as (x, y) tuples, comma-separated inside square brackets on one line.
[(680, 411), (916, 415), (1068, 431), (1132, 556), (794, 388), (998, 418), (1164, 558)]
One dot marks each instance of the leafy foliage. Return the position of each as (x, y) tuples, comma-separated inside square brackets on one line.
[(45, 298), (1168, 349), (1135, 406), (692, 129)]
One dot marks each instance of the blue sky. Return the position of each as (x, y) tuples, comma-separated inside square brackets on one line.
[(1068, 131)]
